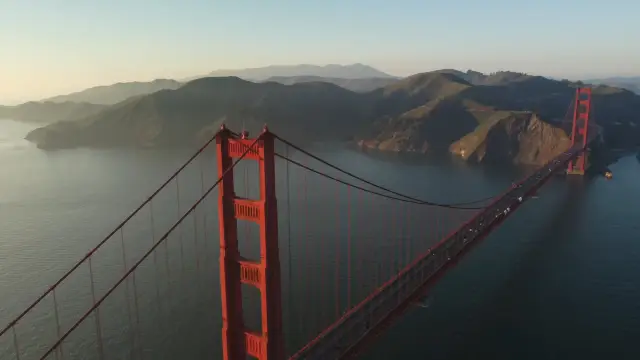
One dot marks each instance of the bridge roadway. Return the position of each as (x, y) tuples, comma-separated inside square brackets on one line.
[(347, 336)]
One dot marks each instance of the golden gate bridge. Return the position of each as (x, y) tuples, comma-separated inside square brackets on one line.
[(355, 266)]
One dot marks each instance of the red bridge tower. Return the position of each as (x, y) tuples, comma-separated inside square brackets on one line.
[(580, 128), (264, 274)]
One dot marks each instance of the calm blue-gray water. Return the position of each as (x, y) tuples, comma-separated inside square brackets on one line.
[(558, 280)]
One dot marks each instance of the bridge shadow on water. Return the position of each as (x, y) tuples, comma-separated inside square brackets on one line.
[(485, 306), (500, 329)]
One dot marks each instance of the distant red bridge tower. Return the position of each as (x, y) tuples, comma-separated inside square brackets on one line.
[(580, 128)]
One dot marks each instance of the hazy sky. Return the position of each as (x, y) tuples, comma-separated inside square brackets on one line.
[(50, 47)]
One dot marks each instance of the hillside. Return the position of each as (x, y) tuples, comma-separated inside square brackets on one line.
[(518, 137), (115, 93), (354, 71), (471, 131), (357, 85), (48, 112), (510, 117), (306, 112)]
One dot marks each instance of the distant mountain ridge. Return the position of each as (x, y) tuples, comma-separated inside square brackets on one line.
[(364, 78), (353, 71), (88, 101)]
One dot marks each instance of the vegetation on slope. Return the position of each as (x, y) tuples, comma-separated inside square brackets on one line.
[(518, 137), (507, 117), (310, 111), (496, 117), (357, 85)]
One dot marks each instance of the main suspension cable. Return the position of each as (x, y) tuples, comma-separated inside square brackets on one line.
[(407, 200), (151, 250), (414, 200), (106, 238)]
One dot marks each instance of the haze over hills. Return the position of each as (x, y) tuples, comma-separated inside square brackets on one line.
[(504, 116), (308, 111), (363, 78), (115, 93), (354, 71), (48, 112)]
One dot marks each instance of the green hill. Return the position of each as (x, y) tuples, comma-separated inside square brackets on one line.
[(512, 117), (357, 85), (308, 111), (496, 117)]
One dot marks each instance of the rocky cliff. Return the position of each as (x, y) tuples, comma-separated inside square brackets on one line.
[(519, 138), (480, 134), (501, 117)]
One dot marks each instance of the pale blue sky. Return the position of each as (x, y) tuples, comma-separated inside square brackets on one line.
[(49, 47)]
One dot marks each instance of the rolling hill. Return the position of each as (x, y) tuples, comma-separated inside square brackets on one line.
[(511, 117), (498, 117), (307, 112), (357, 85)]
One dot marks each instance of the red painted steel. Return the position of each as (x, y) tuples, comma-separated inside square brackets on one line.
[(263, 273), (233, 344), (580, 128)]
